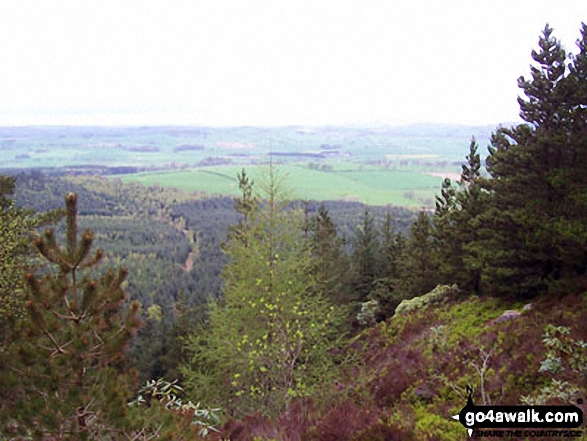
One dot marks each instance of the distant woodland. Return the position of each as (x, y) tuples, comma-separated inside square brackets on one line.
[(136, 312)]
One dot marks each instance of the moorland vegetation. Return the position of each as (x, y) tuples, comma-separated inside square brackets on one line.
[(264, 318)]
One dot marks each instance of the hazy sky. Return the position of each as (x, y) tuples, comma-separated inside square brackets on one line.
[(225, 62)]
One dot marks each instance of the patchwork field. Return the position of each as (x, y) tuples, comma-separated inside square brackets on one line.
[(402, 166), (373, 185)]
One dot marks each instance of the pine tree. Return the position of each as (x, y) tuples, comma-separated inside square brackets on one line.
[(534, 232), (472, 201), (572, 231), (387, 290), (364, 257), (419, 269), (388, 249), (455, 228), (446, 232), (330, 264), (400, 245), (72, 362), (244, 205)]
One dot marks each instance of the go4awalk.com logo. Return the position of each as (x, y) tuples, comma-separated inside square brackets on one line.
[(520, 421)]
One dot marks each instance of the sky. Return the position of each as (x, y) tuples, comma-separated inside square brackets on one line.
[(270, 62)]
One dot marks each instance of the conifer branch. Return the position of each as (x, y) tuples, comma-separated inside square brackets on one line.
[(71, 228), (55, 343), (72, 317)]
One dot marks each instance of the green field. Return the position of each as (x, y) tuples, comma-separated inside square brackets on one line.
[(378, 165), (352, 182)]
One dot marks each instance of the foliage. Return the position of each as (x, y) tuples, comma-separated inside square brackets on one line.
[(523, 227), (244, 206), (388, 289), (388, 267), (367, 315), (170, 242), (268, 343), (418, 271), (439, 295), (414, 368), (364, 258), (73, 381), (470, 318), (342, 422), (331, 265), (454, 224), (424, 359), (167, 395), (146, 231), (269, 337), (558, 342), (16, 227), (431, 426), (564, 355)]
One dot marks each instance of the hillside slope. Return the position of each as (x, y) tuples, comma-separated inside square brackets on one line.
[(415, 367)]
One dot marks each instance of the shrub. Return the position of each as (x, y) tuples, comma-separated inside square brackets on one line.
[(438, 296)]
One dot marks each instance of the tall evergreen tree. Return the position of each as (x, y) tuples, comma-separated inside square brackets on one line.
[(330, 263), (244, 205), (388, 249), (364, 257), (389, 286), (72, 381), (534, 228), (446, 232), (419, 269), (455, 227), (571, 232)]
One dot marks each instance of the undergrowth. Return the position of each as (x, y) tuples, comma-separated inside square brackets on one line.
[(413, 370)]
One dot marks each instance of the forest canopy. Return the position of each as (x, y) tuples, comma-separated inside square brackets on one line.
[(297, 319)]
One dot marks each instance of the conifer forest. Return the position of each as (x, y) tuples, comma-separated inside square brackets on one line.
[(131, 310)]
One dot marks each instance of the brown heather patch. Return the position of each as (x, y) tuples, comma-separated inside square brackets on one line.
[(248, 428), (296, 422), (343, 421), (405, 370), (382, 343), (518, 360), (382, 431), (568, 310)]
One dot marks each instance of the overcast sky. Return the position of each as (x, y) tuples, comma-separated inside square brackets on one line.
[(306, 62)]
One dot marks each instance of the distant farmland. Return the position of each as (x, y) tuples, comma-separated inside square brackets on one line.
[(401, 166), (371, 184)]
